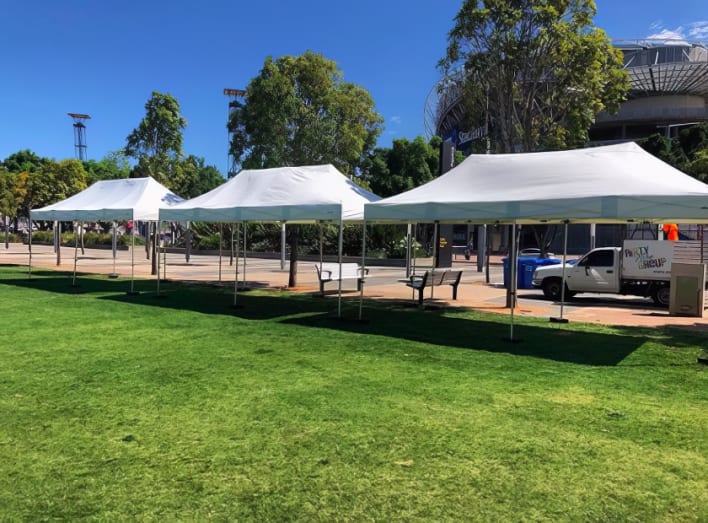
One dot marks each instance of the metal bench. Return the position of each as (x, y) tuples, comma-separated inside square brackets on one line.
[(350, 271), (442, 277)]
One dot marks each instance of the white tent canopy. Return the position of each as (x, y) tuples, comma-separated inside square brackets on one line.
[(283, 194), (137, 199), (608, 184)]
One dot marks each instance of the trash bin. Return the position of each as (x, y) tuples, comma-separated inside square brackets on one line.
[(525, 269), (530, 265)]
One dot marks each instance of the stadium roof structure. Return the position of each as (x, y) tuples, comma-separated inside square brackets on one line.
[(655, 67), (665, 66)]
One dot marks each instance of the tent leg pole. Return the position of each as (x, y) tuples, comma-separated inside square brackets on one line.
[(282, 247), (29, 246), (319, 228), (245, 247), (363, 268), (435, 250), (164, 262), (188, 242), (132, 259), (114, 245), (58, 243), (512, 281), (409, 248), (238, 243), (561, 319), (341, 243), (413, 258), (231, 245), (221, 237), (76, 250), (157, 254)]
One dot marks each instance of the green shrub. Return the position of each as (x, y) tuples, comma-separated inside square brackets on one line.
[(397, 249), (125, 240), (91, 239), (206, 243), (12, 237)]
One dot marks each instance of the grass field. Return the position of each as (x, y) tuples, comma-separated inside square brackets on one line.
[(118, 407)]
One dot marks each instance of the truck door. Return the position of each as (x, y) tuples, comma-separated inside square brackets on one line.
[(597, 271)]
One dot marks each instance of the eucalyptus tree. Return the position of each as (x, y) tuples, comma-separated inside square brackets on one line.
[(539, 70), (535, 74), (299, 111), (156, 143)]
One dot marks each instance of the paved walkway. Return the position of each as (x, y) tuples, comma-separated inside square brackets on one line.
[(382, 284)]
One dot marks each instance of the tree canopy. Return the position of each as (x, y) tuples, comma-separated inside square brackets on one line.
[(52, 182), (300, 111), (157, 141), (403, 166), (687, 152), (24, 160), (193, 177), (112, 167), (538, 69)]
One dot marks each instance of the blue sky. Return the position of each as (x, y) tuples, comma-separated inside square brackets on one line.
[(104, 58)]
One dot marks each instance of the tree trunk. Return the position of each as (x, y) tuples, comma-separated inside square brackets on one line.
[(513, 249), (293, 240), (81, 237)]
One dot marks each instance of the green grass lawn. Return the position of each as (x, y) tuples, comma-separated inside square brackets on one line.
[(118, 407)]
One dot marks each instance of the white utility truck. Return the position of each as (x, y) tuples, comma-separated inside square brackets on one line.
[(638, 268)]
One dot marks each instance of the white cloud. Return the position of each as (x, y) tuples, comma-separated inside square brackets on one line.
[(698, 30), (395, 119), (668, 34)]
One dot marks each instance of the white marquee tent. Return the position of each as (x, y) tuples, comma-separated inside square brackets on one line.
[(284, 194), (137, 199), (610, 184), (306, 194)]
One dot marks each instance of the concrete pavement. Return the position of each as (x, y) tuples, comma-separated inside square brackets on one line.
[(382, 284)]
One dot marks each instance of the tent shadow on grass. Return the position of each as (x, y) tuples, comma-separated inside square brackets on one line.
[(435, 327)]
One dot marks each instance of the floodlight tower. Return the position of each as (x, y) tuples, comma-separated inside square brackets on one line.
[(79, 134), (234, 104)]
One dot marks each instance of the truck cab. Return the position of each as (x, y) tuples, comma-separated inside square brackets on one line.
[(596, 271)]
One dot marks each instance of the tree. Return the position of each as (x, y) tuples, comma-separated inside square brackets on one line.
[(403, 166), (8, 204), (24, 160), (300, 111), (53, 182), (536, 72), (193, 177), (538, 69), (111, 167), (157, 141), (687, 152)]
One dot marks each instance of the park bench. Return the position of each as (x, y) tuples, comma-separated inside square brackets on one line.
[(350, 271), (430, 279)]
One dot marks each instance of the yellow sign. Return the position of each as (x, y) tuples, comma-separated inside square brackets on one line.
[(443, 242)]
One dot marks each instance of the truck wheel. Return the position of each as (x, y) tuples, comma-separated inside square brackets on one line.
[(552, 288), (660, 295)]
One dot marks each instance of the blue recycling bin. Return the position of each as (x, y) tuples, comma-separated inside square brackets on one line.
[(525, 269)]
